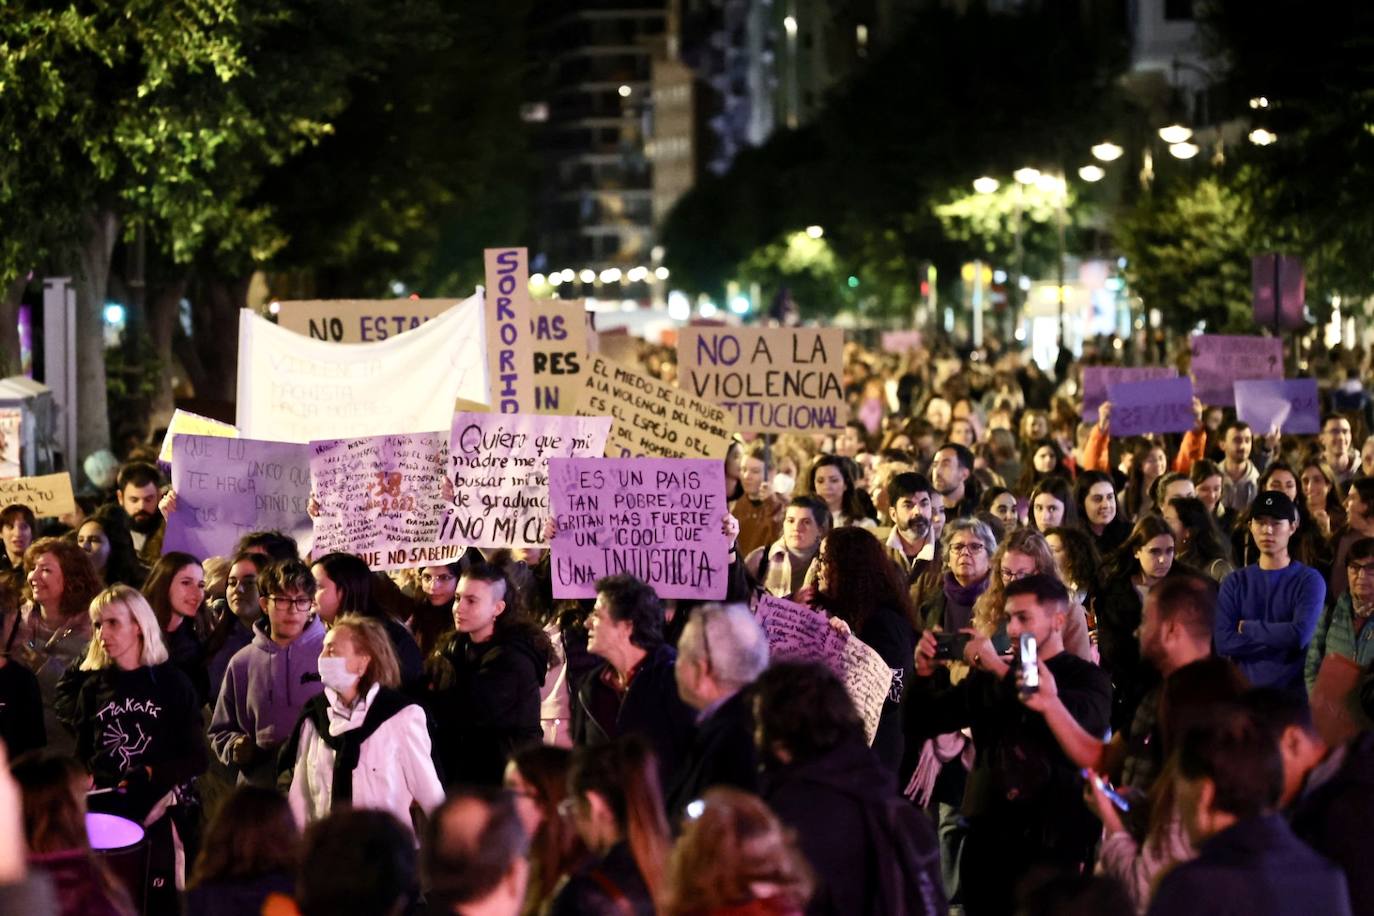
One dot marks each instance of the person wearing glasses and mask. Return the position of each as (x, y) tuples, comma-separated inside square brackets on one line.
[(1345, 630), (269, 681)]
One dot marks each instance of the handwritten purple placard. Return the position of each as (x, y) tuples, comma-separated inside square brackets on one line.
[(1219, 360), (658, 519), (1096, 380), (1291, 404), (1157, 406)]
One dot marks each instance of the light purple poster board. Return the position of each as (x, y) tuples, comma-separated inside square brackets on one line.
[(498, 467), (658, 519), (1155, 406), (1219, 360), (1291, 404), (901, 341), (1096, 380), (228, 487)]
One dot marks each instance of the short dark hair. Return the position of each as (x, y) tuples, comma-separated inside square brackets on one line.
[(1239, 756), (1277, 710), (1191, 600), (1234, 424), (138, 473), (12, 513), (907, 483), (1047, 589), (493, 575), (961, 452), (463, 867), (357, 860), (803, 707), (282, 575), (1203, 469), (627, 598), (1332, 415), (1362, 549), (276, 545), (820, 512)]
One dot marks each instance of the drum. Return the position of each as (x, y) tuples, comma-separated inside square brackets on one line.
[(120, 844)]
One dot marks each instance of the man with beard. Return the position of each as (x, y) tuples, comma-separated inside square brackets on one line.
[(951, 470), (138, 487), (912, 545)]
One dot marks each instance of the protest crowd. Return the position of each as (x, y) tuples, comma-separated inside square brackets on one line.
[(975, 638)]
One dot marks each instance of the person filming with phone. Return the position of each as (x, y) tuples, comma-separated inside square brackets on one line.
[(1022, 801)]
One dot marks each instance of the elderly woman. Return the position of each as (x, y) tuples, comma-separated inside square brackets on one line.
[(1345, 631)]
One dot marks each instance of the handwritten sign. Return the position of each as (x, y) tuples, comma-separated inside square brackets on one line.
[(510, 363), (49, 495), (382, 498), (901, 341), (498, 468), (1219, 360), (797, 633), (1097, 379), (560, 354), (185, 423), (1290, 404), (1157, 406), (358, 320), (652, 418), (658, 519), (228, 487), (772, 379), (11, 439)]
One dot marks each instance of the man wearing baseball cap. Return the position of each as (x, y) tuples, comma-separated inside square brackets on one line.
[(1266, 613)]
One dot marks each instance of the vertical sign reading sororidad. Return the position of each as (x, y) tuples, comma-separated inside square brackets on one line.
[(510, 360)]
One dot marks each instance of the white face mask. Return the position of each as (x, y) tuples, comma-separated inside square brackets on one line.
[(783, 484), (335, 674)]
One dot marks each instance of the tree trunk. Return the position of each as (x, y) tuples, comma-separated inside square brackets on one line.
[(10, 357), (92, 409), (211, 355), (163, 311)]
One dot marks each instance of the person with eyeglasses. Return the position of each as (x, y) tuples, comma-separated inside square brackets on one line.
[(1267, 613), (967, 545), (268, 682), (1344, 630), (1026, 552)]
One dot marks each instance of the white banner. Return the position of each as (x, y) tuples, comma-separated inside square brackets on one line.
[(295, 389)]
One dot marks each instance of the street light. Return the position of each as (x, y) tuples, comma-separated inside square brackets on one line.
[(1261, 137), (1091, 173), (587, 275), (815, 232), (1183, 150), (1107, 151), (1175, 134), (1026, 175), (985, 185)]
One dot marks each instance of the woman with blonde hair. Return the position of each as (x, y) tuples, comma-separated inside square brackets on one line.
[(734, 858), (1025, 552), (361, 742)]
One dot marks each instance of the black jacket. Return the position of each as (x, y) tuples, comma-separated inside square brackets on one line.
[(1255, 868), (651, 708), (186, 651), (608, 886), (1334, 815), (872, 852), (722, 753), (21, 710), (484, 701), (129, 720), (892, 636), (407, 654)]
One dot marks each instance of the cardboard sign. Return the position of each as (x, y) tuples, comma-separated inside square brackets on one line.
[(498, 469), (294, 389), (185, 423), (1290, 405), (797, 633), (658, 519), (228, 487), (1219, 360), (1156, 406), (48, 496), (382, 498), (510, 360), (11, 438), (652, 418), (901, 341), (560, 354), (1096, 380), (358, 320), (772, 379)]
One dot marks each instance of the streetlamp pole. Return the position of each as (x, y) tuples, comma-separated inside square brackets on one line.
[(1061, 192)]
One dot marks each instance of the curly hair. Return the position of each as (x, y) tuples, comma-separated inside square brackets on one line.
[(860, 579), (989, 611), (80, 583)]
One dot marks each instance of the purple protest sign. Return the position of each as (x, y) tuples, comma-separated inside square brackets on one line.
[(1219, 360), (1096, 380), (228, 487), (1155, 406), (658, 519), (1291, 404)]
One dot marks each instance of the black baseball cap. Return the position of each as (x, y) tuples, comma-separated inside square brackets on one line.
[(1273, 504)]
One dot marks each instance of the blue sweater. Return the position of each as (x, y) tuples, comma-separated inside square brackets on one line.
[(1280, 608)]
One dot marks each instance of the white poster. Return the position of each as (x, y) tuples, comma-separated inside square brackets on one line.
[(11, 437), (295, 389)]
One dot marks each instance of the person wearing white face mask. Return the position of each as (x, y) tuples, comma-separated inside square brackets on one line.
[(361, 743)]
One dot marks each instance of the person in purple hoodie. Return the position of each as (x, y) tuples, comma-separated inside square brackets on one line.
[(268, 681)]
